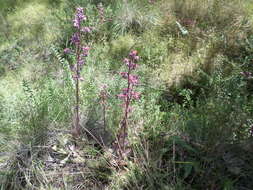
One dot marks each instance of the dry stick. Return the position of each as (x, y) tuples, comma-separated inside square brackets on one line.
[(92, 136), (120, 150), (102, 140)]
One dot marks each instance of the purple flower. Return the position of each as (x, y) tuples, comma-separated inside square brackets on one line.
[(86, 29), (136, 95), (75, 77), (81, 62), (67, 51), (132, 65), (75, 39), (246, 74), (125, 90), (133, 79), (131, 62), (124, 74), (85, 51), (72, 67), (103, 86), (126, 61), (122, 96), (134, 55), (79, 17)]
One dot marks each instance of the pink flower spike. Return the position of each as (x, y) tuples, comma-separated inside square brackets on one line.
[(79, 17)]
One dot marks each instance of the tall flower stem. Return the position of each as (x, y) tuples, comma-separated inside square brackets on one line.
[(81, 52), (77, 118), (127, 96)]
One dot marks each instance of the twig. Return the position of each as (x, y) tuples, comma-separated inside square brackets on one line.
[(93, 136)]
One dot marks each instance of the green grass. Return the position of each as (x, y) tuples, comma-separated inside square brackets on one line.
[(191, 127)]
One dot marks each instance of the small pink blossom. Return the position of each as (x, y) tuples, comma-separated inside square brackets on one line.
[(133, 79), (136, 95), (81, 62), (246, 74), (86, 29), (126, 61), (67, 51), (85, 51), (75, 77), (122, 96), (133, 53), (103, 86), (124, 74), (75, 39), (125, 90)]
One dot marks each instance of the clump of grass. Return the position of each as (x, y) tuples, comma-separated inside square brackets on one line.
[(133, 16), (192, 127), (38, 26), (121, 46)]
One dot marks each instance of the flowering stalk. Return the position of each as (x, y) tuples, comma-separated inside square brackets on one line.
[(81, 52), (128, 95)]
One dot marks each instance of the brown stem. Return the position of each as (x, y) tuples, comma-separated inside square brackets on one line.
[(104, 117), (126, 109), (77, 119)]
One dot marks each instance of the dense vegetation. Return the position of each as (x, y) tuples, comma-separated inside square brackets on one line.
[(189, 124)]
